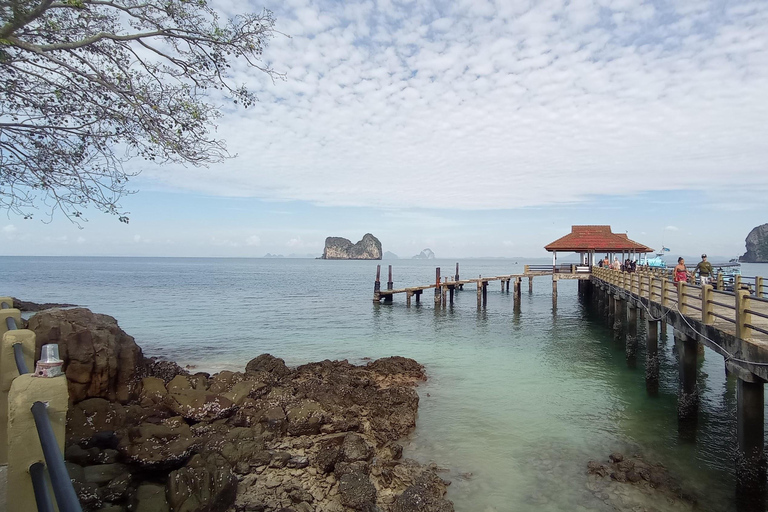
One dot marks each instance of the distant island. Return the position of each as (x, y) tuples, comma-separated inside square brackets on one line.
[(390, 256), (426, 254), (757, 246), (337, 248)]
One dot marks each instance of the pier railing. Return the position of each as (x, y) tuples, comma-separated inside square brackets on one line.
[(743, 312), (34, 456)]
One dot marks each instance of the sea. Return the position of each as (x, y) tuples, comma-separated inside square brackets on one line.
[(517, 400)]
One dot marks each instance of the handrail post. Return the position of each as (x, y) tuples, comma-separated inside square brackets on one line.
[(8, 372), (707, 308), (26, 448), (6, 302), (742, 317), (649, 280), (526, 269), (682, 300), (664, 294), (737, 283), (758, 286), (720, 283)]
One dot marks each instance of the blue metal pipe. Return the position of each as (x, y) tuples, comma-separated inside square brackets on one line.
[(10, 323), (42, 496), (18, 355), (66, 498), (5, 305)]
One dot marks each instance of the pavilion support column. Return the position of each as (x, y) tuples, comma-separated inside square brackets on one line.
[(652, 357), (620, 316)]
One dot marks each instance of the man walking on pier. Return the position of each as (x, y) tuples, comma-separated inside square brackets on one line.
[(704, 269)]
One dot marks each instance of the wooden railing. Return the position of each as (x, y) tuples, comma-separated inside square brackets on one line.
[(746, 308)]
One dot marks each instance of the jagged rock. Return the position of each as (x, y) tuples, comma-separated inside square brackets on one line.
[(757, 245), (203, 485), (304, 418), (165, 370), (150, 498), (199, 405), (117, 488), (103, 473), (91, 417), (268, 363), (100, 359), (424, 495), (157, 446), (355, 448), (336, 248), (356, 491)]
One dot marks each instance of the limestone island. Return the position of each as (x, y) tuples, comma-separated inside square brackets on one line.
[(757, 246), (148, 435), (337, 248)]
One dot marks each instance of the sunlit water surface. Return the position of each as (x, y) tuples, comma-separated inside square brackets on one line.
[(516, 403)]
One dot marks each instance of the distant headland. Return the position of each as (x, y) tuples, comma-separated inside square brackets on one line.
[(757, 245), (337, 248)]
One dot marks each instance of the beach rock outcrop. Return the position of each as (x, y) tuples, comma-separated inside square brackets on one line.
[(24, 305), (320, 437), (757, 245), (336, 248), (100, 359)]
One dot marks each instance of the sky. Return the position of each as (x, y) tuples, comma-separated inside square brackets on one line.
[(473, 128)]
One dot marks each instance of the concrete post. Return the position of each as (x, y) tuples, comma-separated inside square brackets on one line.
[(652, 357), (6, 300), (479, 294), (759, 286), (707, 308), (530, 284), (408, 296), (688, 397), (437, 285), (750, 459), (25, 449), (390, 286), (485, 293), (8, 372), (631, 343), (377, 285), (743, 318), (554, 285)]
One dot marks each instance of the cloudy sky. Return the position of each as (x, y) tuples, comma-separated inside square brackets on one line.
[(474, 128)]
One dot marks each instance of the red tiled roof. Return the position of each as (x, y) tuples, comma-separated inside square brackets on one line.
[(595, 238)]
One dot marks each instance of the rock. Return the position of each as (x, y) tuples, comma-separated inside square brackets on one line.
[(426, 254), (75, 471), (354, 448), (93, 421), (328, 454), (88, 494), (304, 418), (616, 457), (356, 491), (108, 456), (150, 498), (757, 245), (100, 359), (165, 370), (298, 462), (203, 485), (23, 305), (157, 446), (268, 363), (153, 389), (199, 405), (336, 248), (117, 488), (77, 455), (179, 383), (242, 390), (424, 495), (103, 473)]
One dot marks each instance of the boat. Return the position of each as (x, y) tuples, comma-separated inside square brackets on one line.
[(656, 262)]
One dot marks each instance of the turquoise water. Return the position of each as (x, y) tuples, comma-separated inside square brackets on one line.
[(517, 401)]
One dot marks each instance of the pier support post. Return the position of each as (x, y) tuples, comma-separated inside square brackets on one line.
[(445, 295), (554, 285), (451, 289), (652, 357), (620, 316), (408, 296), (479, 294), (530, 284), (417, 293), (377, 285), (631, 343), (688, 396), (663, 329), (750, 459), (518, 286), (390, 286), (485, 293), (437, 285)]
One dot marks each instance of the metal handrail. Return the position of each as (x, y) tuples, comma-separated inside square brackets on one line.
[(728, 319), (10, 323), (18, 355), (66, 498), (756, 328), (40, 486), (4, 305)]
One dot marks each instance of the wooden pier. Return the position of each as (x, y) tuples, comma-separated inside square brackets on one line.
[(446, 287)]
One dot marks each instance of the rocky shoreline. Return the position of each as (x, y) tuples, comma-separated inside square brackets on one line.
[(147, 435)]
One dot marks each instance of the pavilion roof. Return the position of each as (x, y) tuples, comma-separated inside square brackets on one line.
[(595, 238)]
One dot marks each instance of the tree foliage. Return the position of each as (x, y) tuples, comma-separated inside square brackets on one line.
[(86, 85)]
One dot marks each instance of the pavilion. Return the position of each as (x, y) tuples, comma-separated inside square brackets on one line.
[(588, 240)]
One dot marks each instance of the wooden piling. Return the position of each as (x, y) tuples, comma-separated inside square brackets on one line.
[(451, 289), (408, 296), (377, 285), (437, 285), (479, 293), (530, 284), (390, 286)]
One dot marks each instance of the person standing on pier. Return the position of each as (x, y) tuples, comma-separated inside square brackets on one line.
[(681, 274), (704, 268)]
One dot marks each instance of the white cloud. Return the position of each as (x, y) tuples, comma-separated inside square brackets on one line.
[(9, 229), (295, 243), (672, 228), (488, 108), (253, 241), (81, 240)]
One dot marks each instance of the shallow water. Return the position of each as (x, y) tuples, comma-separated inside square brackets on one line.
[(517, 401)]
